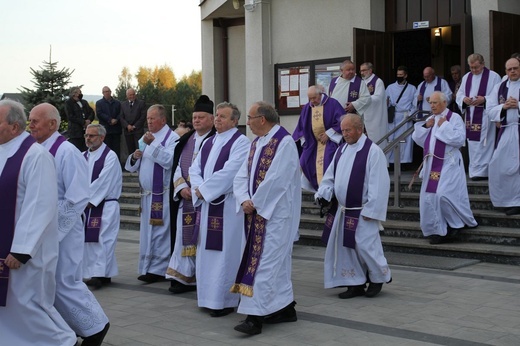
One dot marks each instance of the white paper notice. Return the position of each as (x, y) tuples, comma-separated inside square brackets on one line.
[(304, 87), (294, 82), (284, 83), (293, 101)]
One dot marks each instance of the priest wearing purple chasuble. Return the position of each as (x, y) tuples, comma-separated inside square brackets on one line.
[(268, 190), (220, 226), (29, 242), (476, 85), (319, 133), (357, 185), (74, 301), (444, 203), (153, 160)]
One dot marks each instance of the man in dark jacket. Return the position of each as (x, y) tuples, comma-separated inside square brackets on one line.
[(108, 110), (79, 116), (133, 119)]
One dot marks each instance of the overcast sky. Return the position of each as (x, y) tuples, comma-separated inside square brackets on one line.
[(97, 38)]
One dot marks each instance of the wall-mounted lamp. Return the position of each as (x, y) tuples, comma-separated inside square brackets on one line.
[(236, 4), (438, 32)]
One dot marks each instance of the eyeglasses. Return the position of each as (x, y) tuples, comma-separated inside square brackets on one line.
[(86, 135), (249, 117)]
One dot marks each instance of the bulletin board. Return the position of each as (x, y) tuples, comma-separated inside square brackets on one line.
[(293, 80)]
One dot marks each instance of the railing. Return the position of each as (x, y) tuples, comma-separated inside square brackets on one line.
[(394, 145)]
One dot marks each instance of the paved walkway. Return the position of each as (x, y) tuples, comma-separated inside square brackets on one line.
[(478, 304)]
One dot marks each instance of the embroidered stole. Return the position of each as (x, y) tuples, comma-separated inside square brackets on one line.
[(156, 208), (216, 208), (353, 199), (56, 145), (372, 85), (94, 214), (190, 216), (353, 90), (437, 159), (318, 127), (9, 188), (437, 87), (254, 223), (474, 123)]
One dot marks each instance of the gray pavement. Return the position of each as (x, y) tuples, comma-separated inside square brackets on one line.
[(475, 304)]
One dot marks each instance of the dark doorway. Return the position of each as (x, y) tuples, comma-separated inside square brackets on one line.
[(413, 50)]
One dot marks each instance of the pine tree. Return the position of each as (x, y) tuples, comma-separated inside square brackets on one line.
[(51, 86)]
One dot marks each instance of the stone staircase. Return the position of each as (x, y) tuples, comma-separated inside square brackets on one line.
[(497, 239)]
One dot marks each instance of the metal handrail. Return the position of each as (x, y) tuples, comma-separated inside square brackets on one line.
[(396, 147)]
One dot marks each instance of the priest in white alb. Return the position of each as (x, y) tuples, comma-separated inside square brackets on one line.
[(350, 90), (376, 115)]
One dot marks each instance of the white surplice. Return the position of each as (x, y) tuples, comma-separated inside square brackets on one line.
[(403, 109), (154, 240), (345, 266), (30, 317), (182, 268), (504, 167), (450, 204), (216, 270), (480, 152), (74, 301), (99, 259), (341, 92), (430, 88), (278, 200), (376, 114)]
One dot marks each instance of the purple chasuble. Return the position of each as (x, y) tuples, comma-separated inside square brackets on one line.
[(9, 188), (372, 85), (60, 139), (216, 207), (437, 159), (254, 223), (474, 123), (353, 199), (190, 215), (94, 214), (332, 85), (332, 112), (438, 87), (156, 209)]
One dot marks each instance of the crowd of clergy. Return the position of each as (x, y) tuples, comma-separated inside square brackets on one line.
[(219, 212)]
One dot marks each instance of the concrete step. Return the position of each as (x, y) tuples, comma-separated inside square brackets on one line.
[(130, 198), (129, 209), (131, 186), (411, 199), (129, 222)]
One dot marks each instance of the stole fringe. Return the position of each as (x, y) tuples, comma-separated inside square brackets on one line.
[(173, 273), (243, 289), (189, 251), (156, 222)]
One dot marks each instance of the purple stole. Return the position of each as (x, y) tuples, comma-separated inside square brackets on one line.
[(354, 197), (254, 223), (353, 90), (190, 216), (474, 124), (9, 188), (56, 145), (156, 209), (216, 207), (438, 87), (94, 214), (437, 159), (372, 85)]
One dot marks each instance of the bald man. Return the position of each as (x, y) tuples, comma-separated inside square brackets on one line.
[(430, 84)]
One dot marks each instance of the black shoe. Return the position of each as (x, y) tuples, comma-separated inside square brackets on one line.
[(94, 282), (479, 178), (177, 288), (248, 327), (437, 239), (286, 315), (512, 211), (373, 289), (453, 233), (221, 312), (151, 278), (96, 339), (353, 291), (105, 281)]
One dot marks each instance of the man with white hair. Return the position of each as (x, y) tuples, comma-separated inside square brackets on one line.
[(444, 209), (29, 237), (72, 295)]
